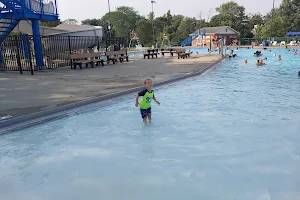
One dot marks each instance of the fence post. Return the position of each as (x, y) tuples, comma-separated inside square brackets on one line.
[(1, 57), (25, 45), (70, 49), (106, 44), (29, 54), (18, 55), (98, 43), (209, 46), (38, 47)]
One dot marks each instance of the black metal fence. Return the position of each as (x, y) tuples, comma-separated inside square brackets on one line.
[(17, 52)]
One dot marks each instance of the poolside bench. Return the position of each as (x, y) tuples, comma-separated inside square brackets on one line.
[(86, 59), (171, 51), (181, 53), (151, 52), (115, 55)]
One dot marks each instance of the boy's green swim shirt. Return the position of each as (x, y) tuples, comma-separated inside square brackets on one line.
[(147, 98)]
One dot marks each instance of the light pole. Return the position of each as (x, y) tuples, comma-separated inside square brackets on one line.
[(152, 2), (272, 20), (109, 24)]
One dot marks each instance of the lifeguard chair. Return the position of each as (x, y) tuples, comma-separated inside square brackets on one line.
[(166, 39), (134, 37)]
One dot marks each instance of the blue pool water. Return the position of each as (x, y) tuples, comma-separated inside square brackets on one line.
[(232, 133), (193, 50)]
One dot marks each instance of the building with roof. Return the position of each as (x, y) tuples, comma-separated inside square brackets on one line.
[(221, 32), (25, 27)]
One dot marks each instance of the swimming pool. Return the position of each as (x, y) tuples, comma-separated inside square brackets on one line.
[(192, 49), (232, 133)]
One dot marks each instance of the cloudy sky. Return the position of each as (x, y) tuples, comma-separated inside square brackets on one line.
[(83, 9)]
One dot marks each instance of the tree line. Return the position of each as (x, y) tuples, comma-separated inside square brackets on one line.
[(275, 23)]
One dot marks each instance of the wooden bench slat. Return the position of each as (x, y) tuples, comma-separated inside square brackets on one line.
[(86, 58), (94, 57), (82, 61), (86, 55), (113, 53)]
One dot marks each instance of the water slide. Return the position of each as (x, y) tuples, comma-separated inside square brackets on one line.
[(57, 36)]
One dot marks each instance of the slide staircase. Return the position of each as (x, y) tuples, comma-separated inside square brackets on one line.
[(13, 11), (6, 26)]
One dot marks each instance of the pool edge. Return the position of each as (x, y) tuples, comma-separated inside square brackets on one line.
[(18, 123)]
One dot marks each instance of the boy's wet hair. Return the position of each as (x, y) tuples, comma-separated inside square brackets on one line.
[(148, 79)]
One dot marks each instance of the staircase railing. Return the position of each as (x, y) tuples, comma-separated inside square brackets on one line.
[(42, 6), (37, 6), (10, 5)]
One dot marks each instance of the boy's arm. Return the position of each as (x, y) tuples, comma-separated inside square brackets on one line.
[(154, 99), (137, 100), (141, 93)]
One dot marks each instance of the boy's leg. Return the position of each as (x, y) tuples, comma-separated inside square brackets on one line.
[(149, 114), (145, 120), (149, 117), (144, 115)]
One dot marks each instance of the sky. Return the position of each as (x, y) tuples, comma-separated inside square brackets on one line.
[(97, 8)]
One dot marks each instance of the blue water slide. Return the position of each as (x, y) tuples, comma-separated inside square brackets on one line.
[(192, 37)]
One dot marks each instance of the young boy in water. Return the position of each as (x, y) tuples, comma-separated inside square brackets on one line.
[(145, 105)]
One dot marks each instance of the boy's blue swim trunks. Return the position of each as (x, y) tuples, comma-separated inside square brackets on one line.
[(144, 112)]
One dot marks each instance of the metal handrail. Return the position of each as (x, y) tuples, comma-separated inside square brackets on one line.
[(41, 6)]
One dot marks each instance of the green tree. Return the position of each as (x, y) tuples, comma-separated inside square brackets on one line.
[(99, 22), (290, 14), (185, 28), (168, 17), (92, 22), (123, 20), (171, 30), (50, 23), (70, 21), (273, 25), (254, 19), (233, 15), (144, 31), (258, 33)]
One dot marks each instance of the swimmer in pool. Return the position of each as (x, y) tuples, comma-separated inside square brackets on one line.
[(260, 62)]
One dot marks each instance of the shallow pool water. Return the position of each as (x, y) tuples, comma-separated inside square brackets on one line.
[(231, 133)]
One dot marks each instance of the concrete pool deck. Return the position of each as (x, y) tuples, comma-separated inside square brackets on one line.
[(26, 94)]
